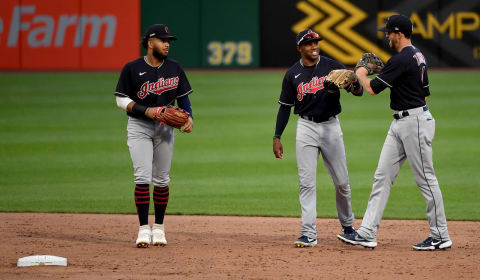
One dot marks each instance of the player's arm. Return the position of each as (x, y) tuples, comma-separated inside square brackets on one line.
[(184, 89), (184, 103), (425, 83), (282, 120), (124, 103), (129, 105), (364, 79)]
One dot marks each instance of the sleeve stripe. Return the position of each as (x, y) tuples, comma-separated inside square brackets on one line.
[(384, 82), (426, 86), (286, 104), (188, 92), (120, 94)]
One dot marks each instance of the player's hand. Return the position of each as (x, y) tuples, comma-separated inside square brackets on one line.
[(188, 127), (277, 148), (150, 112)]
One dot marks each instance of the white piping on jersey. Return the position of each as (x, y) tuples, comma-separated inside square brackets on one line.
[(315, 64), (286, 104), (146, 61), (119, 93), (426, 86), (184, 93), (384, 82)]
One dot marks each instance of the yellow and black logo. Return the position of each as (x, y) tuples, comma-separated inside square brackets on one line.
[(334, 20)]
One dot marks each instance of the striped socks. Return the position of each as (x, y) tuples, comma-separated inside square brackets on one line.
[(160, 202), (142, 201)]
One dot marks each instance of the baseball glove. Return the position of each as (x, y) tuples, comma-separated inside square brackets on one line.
[(371, 62), (171, 115), (342, 78)]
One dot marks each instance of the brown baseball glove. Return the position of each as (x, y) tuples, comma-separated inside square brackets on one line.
[(371, 62), (342, 78), (171, 115)]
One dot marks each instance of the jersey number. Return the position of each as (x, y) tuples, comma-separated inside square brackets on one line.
[(224, 53)]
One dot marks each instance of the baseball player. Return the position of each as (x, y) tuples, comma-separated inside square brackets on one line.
[(318, 132), (410, 136), (145, 84)]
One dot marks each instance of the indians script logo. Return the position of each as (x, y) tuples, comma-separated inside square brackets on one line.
[(158, 87), (311, 87)]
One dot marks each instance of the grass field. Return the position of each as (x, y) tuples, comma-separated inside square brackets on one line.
[(63, 148)]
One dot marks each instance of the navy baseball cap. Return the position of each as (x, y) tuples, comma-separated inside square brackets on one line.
[(159, 31), (398, 23), (306, 36)]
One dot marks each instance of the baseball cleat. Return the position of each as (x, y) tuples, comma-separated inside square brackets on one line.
[(158, 235), (431, 244), (348, 230), (144, 236), (305, 241), (356, 239)]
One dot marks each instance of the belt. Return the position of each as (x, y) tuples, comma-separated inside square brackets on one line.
[(316, 119), (410, 112)]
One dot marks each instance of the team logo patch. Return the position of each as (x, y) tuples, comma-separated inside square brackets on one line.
[(311, 87), (158, 87)]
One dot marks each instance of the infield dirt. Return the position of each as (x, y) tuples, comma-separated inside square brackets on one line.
[(206, 247)]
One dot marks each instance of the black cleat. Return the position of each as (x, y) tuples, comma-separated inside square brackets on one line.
[(305, 241), (355, 239), (431, 244)]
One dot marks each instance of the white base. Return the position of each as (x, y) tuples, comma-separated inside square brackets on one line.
[(41, 260)]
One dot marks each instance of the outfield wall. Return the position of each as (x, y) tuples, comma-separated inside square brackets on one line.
[(103, 35), (68, 34)]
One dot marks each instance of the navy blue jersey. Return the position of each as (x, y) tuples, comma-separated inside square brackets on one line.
[(303, 88), (406, 76), (152, 86)]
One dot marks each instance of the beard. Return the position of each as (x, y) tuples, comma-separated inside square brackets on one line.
[(158, 55), (393, 44)]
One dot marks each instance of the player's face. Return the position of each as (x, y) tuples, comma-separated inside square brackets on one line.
[(309, 51), (393, 40), (160, 48)]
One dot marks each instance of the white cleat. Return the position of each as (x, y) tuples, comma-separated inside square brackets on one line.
[(158, 235), (144, 236)]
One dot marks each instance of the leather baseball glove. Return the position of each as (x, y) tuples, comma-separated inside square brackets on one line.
[(171, 115), (342, 78), (371, 62)]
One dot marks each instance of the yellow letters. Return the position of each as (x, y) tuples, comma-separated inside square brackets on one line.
[(461, 26)]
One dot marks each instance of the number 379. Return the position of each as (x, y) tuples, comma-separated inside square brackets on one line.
[(224, 53)]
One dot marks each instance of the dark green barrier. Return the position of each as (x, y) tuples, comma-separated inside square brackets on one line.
[(183, 20), (211, 33)]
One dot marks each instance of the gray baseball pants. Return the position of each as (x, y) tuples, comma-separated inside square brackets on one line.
[(324, 138), (409, 137), (151, 150)]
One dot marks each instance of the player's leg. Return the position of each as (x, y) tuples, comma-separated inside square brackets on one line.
[(419, 153), (307, 156), (333, 153), (139, 141), (391, 160), (162, 161)]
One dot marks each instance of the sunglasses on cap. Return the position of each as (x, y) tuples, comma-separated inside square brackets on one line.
[(308, 36)]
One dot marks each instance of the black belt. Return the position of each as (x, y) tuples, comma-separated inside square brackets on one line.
[(405, 113), (316, 119)]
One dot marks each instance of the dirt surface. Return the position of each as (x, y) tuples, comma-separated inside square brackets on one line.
[(204, 247)]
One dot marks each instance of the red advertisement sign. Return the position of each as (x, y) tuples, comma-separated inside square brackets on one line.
[(68, 35)]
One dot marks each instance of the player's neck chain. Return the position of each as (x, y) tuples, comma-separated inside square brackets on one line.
[(315, 65), (146, 61)]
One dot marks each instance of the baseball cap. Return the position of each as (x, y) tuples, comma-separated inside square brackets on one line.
[(306, 36), (398, 23), (159, 31)]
